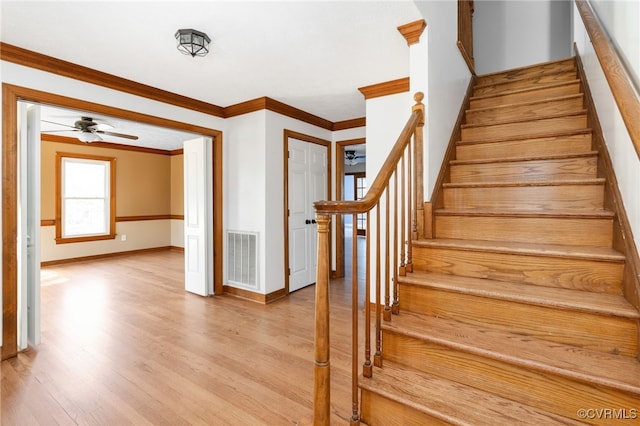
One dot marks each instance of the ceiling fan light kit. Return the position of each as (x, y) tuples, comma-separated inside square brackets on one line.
[(88, 137), (352, 157), (192, 42)]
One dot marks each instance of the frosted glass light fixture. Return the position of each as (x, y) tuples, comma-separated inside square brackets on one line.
[(192, 42), (88, 137)]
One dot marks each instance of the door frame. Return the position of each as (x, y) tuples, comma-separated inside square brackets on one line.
[(339, 160), (290, 134), (11, 94), (356, 176)]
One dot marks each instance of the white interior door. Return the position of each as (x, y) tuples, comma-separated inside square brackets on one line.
[(307, 183), (29, 225), (198, 215)]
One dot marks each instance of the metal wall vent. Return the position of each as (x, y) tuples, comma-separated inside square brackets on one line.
[(242, 258)]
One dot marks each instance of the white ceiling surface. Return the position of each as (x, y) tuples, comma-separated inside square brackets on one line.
[(312, 55)]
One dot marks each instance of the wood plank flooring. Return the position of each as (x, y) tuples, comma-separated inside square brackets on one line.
[(124, 344)]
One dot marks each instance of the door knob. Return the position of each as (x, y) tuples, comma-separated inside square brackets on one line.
[(313, 221)]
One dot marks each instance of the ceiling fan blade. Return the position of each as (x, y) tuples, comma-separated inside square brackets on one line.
[(119, 135), (60, 130), (59, 124)]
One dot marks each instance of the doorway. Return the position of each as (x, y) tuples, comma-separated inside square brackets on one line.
[(345, 166), (11, 96), (307, 174), (355, 186)]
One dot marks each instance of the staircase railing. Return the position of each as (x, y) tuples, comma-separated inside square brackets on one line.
[(620, 84), (399, 181)]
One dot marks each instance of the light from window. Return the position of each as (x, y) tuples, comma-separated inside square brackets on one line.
[(85, 198)]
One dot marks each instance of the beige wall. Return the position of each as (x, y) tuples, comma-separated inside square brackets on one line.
[(143, 180), (147, 184), (177, 185)]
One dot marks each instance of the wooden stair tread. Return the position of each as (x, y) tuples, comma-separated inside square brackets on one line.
[(604, 254), (531, 79), (453, 402), (583, 301), (527, 158), (525, 90), (550, 67), (595, 181), (581, 112), (575, 214), (507, 107), (592, 367), (525, 137)]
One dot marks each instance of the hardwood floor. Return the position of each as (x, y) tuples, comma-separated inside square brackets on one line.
[(123, 343)]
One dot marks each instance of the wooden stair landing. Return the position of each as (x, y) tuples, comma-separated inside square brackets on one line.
[(514, 312)]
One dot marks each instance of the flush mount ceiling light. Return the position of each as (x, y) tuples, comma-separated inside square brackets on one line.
[(192, 42)]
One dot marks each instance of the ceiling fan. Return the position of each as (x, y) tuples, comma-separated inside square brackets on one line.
[(353, 157), (89, 130)]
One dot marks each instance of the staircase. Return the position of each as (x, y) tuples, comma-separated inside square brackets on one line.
[(514, 312)]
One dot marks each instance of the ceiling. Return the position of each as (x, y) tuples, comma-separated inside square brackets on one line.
[(312, 55)]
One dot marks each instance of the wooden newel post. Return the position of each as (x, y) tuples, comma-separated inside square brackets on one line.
[(321, 373), (418, 158)]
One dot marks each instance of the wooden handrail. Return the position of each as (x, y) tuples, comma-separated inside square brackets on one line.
[(625, 96), (380, 183), (413, 209)]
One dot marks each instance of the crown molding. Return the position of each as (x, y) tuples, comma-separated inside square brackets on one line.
[(31, 59), (53, 65), (266, 103), (412, 31), (350, 124), (384, 89)]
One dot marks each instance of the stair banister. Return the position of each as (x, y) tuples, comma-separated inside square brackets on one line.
[(408, 147)]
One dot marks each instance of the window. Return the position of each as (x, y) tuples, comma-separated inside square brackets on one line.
[(85, 198)]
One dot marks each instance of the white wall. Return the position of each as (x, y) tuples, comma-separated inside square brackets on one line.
[(244, 182), (254, 186), (448, 80), (274, 180), (623, 156), (621, 19), (509, 34), (386, 117)]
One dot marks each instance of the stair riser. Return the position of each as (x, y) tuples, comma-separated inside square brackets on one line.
[(549, 392), (590, 331), (526, 128), (526, 111), (379, 410), (578, 197), (575, 168), (496, 88), (527, 96), (550, 68), (574, 144), (575, 274), (542, 230)]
